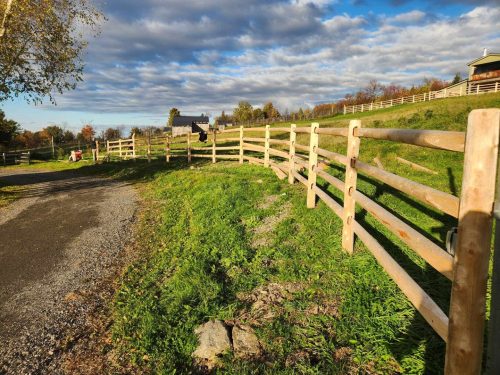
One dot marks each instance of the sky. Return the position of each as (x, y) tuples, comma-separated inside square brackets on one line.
[(203, 56)]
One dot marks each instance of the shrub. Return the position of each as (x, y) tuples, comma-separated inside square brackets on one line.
[(428, 114)]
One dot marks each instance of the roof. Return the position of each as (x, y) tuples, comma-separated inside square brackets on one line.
[(489, 58), (188, 120)]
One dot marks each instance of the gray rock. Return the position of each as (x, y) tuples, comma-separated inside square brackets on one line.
[(245, 342), (213, 341)]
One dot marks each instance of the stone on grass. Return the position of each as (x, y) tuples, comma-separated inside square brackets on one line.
[(213, 341), (246, 345)]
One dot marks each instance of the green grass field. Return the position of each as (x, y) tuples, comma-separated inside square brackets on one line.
[(212, 234)]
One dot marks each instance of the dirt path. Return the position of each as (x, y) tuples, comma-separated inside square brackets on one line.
[(57, 243)]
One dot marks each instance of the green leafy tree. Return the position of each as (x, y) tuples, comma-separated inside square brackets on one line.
[(243, 112), (42, 44), (57, 132), (68, 136), (457, 78), (258, 114), (9, 129), (174, 112)]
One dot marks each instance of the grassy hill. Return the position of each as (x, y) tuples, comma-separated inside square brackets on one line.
[(213, 238)]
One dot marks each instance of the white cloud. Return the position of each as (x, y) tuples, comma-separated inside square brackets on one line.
[(205, 56)]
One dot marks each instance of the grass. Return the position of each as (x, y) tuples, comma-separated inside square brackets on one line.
[(201, 254)]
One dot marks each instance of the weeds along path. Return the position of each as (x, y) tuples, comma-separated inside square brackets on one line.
[(58, 242)]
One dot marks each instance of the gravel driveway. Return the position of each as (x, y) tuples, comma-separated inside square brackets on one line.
[(57, 244)]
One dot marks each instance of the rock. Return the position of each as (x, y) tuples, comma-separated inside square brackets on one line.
[(245, 343), (213, 341)]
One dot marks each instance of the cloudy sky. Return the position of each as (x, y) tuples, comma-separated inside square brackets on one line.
[(203, 56)]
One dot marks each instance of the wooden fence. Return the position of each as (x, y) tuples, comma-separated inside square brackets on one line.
[(12, 158), (467, 267), (472, 89)]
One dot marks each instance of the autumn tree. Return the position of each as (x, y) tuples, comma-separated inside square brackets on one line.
[(41, 46), (174, 112), (270, 111), (86, 134), (112, 133)]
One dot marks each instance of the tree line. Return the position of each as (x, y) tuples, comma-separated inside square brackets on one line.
[(12, 136), (372, 92)]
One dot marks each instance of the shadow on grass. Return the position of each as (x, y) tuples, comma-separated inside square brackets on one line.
[(436, 285)]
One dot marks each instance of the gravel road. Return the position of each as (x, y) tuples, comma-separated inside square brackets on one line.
[(58, 244)]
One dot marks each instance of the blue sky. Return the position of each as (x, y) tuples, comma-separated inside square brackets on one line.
[(203, 56)]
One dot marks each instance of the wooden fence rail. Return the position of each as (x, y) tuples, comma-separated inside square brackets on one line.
[(463, 328)]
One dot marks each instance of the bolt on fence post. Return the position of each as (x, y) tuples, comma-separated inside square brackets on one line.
[(167, 150), (313, 165), (266, 147), (472, 253), (189, 147), (291, 163), (214, 141), (351, 176), (241, 144)]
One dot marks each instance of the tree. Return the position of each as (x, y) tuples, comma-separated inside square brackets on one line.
[(55, 131), (457, 78), (8, 129), (243, 112), (41, 46), (174, 112), (135, 130), (86, 134), (112, 133), (258, 114), (68, 136), (373, 90), (270, 111)]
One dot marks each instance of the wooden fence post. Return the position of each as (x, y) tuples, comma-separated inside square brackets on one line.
[(351, 176), (133, 145), (120, 146), (345, 110), (291, 163), (241, 144), (148, 150), (266, 147), (189, 147), (214, 141), (96, 151), (313, 165), (472, 253), (167, 150), (4, 159)]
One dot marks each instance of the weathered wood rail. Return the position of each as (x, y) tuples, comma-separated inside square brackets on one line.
[(463, 328)]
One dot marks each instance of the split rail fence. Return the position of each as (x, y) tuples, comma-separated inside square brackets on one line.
[(427, 96), (467, 267)]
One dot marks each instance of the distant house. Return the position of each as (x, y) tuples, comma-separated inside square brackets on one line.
[(186, 124), (484, 75)]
